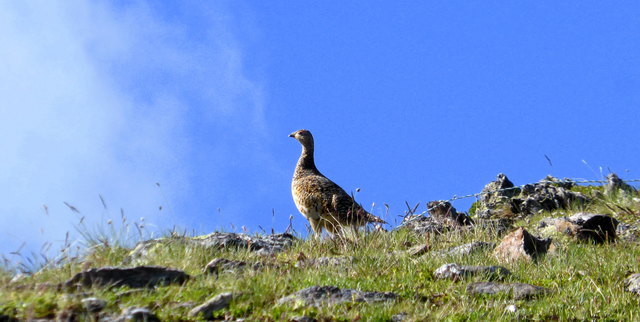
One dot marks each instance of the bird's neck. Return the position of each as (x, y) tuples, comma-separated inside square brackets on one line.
[(306, 164)]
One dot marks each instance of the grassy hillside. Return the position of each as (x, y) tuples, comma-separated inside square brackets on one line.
[(586, 281)]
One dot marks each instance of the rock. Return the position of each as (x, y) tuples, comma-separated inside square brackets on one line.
[(466, 249), (422, 224), (501, 199), (521, 245), (632, 284), (418, 250), (206, 309), (331, 295), (219, 265), (457, 272), (399, 317), (586, 227), (594, 227), (516, 290), (141, 276), (511, 308), (444, 212), (94, 304), (443, 217), (324, 261), (615, 184), (262, 244), (499, 226), (137, 314), (495, 196), (302, 319)]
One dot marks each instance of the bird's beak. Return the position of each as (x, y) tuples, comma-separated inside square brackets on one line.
[(292, 135)]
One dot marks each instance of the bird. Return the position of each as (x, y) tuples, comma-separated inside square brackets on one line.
[(321, 201)]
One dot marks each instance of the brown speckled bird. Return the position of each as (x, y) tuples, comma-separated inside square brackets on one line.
[(319, 199)]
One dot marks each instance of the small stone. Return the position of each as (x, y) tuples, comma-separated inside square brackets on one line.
[(331, 295), (219, 302), (137, 314), (516, 290), (511, 308), (399, 317), (455, 272), (94, 304)]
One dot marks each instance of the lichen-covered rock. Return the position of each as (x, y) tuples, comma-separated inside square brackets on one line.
[(615, 185), (137, 314), (466, 249), (264, 244), (520, 244), (422, 224), (632, 283), (456, 272), (495, 197), (500, 198), (135, 277), (331, 295), (335, 261), (206, 309), (446, 213), (515, 290), (442, 217)]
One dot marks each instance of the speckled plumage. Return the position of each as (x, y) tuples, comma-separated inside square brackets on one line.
[(319, 199)]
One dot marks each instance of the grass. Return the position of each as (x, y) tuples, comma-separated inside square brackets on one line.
[(586, 280)]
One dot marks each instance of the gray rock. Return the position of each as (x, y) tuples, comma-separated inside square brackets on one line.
[(632, 283), (615, 184), (466, 249), (331, 295), (502, 199), (422, 224), (399, 317), (325, 261), (457, 272), (520, 244), (495, 196), (263, 244), (516, 290), (141, 276), (141, 314), (94, 304), (444, 212), (442, 217), (206, 309), (219, 265)]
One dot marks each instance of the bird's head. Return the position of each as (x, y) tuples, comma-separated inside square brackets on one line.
[(303, 136)]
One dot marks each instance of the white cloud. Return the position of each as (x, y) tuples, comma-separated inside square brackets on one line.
[(100, 99)]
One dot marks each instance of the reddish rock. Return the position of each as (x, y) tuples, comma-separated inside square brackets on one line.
[(520, 244)]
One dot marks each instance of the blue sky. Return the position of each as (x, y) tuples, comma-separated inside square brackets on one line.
[(408, 101)]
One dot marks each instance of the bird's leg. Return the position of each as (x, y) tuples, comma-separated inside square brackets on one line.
[(316, 226)]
